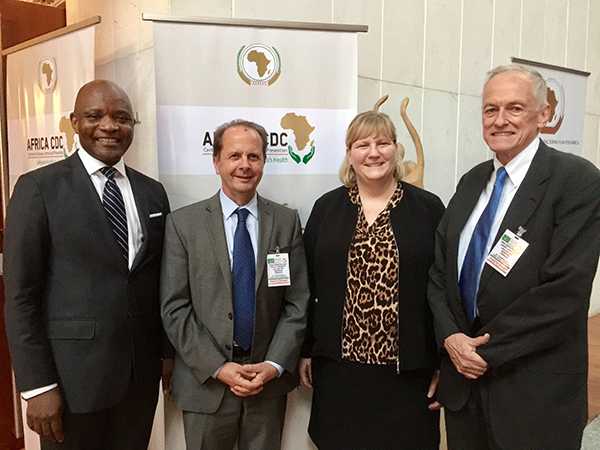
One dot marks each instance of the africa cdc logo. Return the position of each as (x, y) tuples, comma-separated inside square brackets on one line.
[(47, 75), (258, 64)]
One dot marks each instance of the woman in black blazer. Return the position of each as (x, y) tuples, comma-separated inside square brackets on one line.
[(370, 353)]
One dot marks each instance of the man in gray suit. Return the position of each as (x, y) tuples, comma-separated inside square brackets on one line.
[(234, 294)]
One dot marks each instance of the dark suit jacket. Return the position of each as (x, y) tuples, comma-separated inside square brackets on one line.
[(197, 302), (535, 388), (75, 314), (327, 238)]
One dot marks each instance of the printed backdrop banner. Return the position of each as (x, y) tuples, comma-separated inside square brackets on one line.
[(566, 97), (42, 82), (299, 84)]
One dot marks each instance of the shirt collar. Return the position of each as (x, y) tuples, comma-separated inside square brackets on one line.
[(517, 167), (229, 206), (93, 165)]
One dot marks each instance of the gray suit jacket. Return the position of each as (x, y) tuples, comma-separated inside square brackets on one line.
[(197, 303)]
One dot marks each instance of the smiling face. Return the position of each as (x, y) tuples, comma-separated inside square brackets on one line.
[(240, 163), (373, 159), (103, 118), (511, 116)]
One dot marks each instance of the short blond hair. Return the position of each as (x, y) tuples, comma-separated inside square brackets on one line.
[(365, 124)]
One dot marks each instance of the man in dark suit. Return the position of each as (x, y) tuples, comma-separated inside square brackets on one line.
[(82, 263), (234, 294), (516, 253)]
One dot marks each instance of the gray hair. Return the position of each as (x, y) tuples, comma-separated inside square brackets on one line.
[(538, 84), (220, 131)]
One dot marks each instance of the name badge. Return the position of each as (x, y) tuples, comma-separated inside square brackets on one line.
[(507, 251), (278, 269)]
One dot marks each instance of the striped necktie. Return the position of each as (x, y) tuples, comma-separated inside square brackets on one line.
[(471, 268), (114, 206)]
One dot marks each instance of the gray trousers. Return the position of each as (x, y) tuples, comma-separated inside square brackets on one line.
[(255, 423)]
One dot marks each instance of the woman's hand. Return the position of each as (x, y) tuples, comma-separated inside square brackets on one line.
[(305, 370), (434, 405)]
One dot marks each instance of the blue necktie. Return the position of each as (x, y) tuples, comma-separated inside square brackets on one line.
[(471, 269), (244, 273), (114, 207)]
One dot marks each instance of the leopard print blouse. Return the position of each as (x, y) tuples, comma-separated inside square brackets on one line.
[(370, 330)]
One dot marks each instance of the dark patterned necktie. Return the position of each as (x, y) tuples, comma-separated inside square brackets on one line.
[(114, 206), (471, 269), (244, 273)]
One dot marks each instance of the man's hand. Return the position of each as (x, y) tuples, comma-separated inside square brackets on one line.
[(167, 374), (463, 352), (264, 371), (241, 380), (434, 405), (44, 415), (305, 371)]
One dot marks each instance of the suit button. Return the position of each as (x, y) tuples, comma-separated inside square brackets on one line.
[(227, 347), (230, 316)]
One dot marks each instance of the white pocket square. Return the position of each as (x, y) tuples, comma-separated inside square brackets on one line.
[(153, 215)]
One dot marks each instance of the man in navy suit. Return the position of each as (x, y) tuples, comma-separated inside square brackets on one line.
[(516, 254), (82, 258)]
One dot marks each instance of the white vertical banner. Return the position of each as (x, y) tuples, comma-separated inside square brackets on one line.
[(41, 84), (566, 96), (300, 84)]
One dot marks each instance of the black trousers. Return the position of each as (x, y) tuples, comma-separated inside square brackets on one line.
[(125, 426), (467, 429)]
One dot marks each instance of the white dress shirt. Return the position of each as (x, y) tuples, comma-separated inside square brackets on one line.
[(516, 169), (230, 220), (92, 165), (135, 236)]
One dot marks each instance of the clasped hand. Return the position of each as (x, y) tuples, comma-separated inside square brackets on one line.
[(462, 350), (247, 379)]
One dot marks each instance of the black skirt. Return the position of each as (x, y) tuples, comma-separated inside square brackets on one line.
[(371, 407)]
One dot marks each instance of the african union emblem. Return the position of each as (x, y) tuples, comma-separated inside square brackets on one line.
[(47, 75), (556, 101), (302, 130), (258, 64)]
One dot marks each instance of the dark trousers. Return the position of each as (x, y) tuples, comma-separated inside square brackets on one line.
[(125, 426), (467, 429)]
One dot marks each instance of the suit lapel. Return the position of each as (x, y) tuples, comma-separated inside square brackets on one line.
[(524, 203), (219, 243), (143, 213), (93, 210), (265, 227)]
